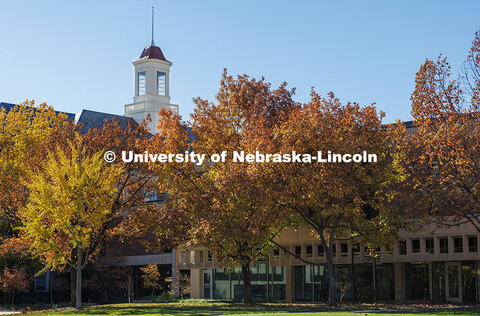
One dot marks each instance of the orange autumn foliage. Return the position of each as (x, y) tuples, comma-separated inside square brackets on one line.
[(441, 155)]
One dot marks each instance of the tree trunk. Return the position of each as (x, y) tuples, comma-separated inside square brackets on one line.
[(332, 289), (78, 304), (50, 286), (247, 285), (73, 287), (13, 297), (353, 274), (129, 288)]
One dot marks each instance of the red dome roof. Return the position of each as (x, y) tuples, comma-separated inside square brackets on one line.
[(152, 52)]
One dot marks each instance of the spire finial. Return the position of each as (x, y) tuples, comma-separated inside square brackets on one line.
[(153, 11)]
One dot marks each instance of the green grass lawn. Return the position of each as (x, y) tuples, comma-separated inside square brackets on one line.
[(225, 308)]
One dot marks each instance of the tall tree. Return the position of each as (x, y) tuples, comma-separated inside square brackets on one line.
[(337, 200), (441, 156), (224, 206), (130, 206), (69, 203), (22, 128)]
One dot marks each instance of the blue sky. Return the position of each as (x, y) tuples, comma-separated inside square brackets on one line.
[(77, 54)]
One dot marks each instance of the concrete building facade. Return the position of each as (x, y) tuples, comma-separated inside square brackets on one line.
[(435, 263)]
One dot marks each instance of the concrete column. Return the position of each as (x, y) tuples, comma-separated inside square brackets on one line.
[(196, 283), (290, 285), (399, 281)]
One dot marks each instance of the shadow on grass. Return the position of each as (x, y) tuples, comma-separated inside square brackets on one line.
[(221, 308), (196, 309)]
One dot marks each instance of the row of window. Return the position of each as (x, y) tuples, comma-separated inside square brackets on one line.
[(201, 254), (415, 247), (415, 244), (142, 83), (443, 245), (320, 251)]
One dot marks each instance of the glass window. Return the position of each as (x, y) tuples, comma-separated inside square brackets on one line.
[(161, 83), (469, 274), (321, 252), (344, 250), (41, 282), (417, 282), (200, 254), (443, 245), (298, 251), (415, 245), (438, 280), (303, 283), (429, 247), (277, 283), (182, 257), (384, 282), (207, 284), (309, 251), (472, 244), (457, 244), (221, 284), (142, 82), (402, 247), (210, 256), (276, 253)]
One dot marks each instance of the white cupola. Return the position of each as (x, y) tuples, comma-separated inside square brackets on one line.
[(152, 86)]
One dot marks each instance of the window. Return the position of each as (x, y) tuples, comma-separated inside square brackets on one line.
[(142, 82), (161, 83), (472, 244), (153, 196), (457, 244), (443, 245), (276, 253), (210, 256), (344, 250), (429, 247), (320, 251), (402, 247), (415, 245), (182, 257), (41, 282), (298, 251), (309, 251), (200, 254)]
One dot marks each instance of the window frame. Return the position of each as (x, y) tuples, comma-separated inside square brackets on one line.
[(443, 248), (161, 74), (430, 249), (144, 83), (458, 248), (470, 238)]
